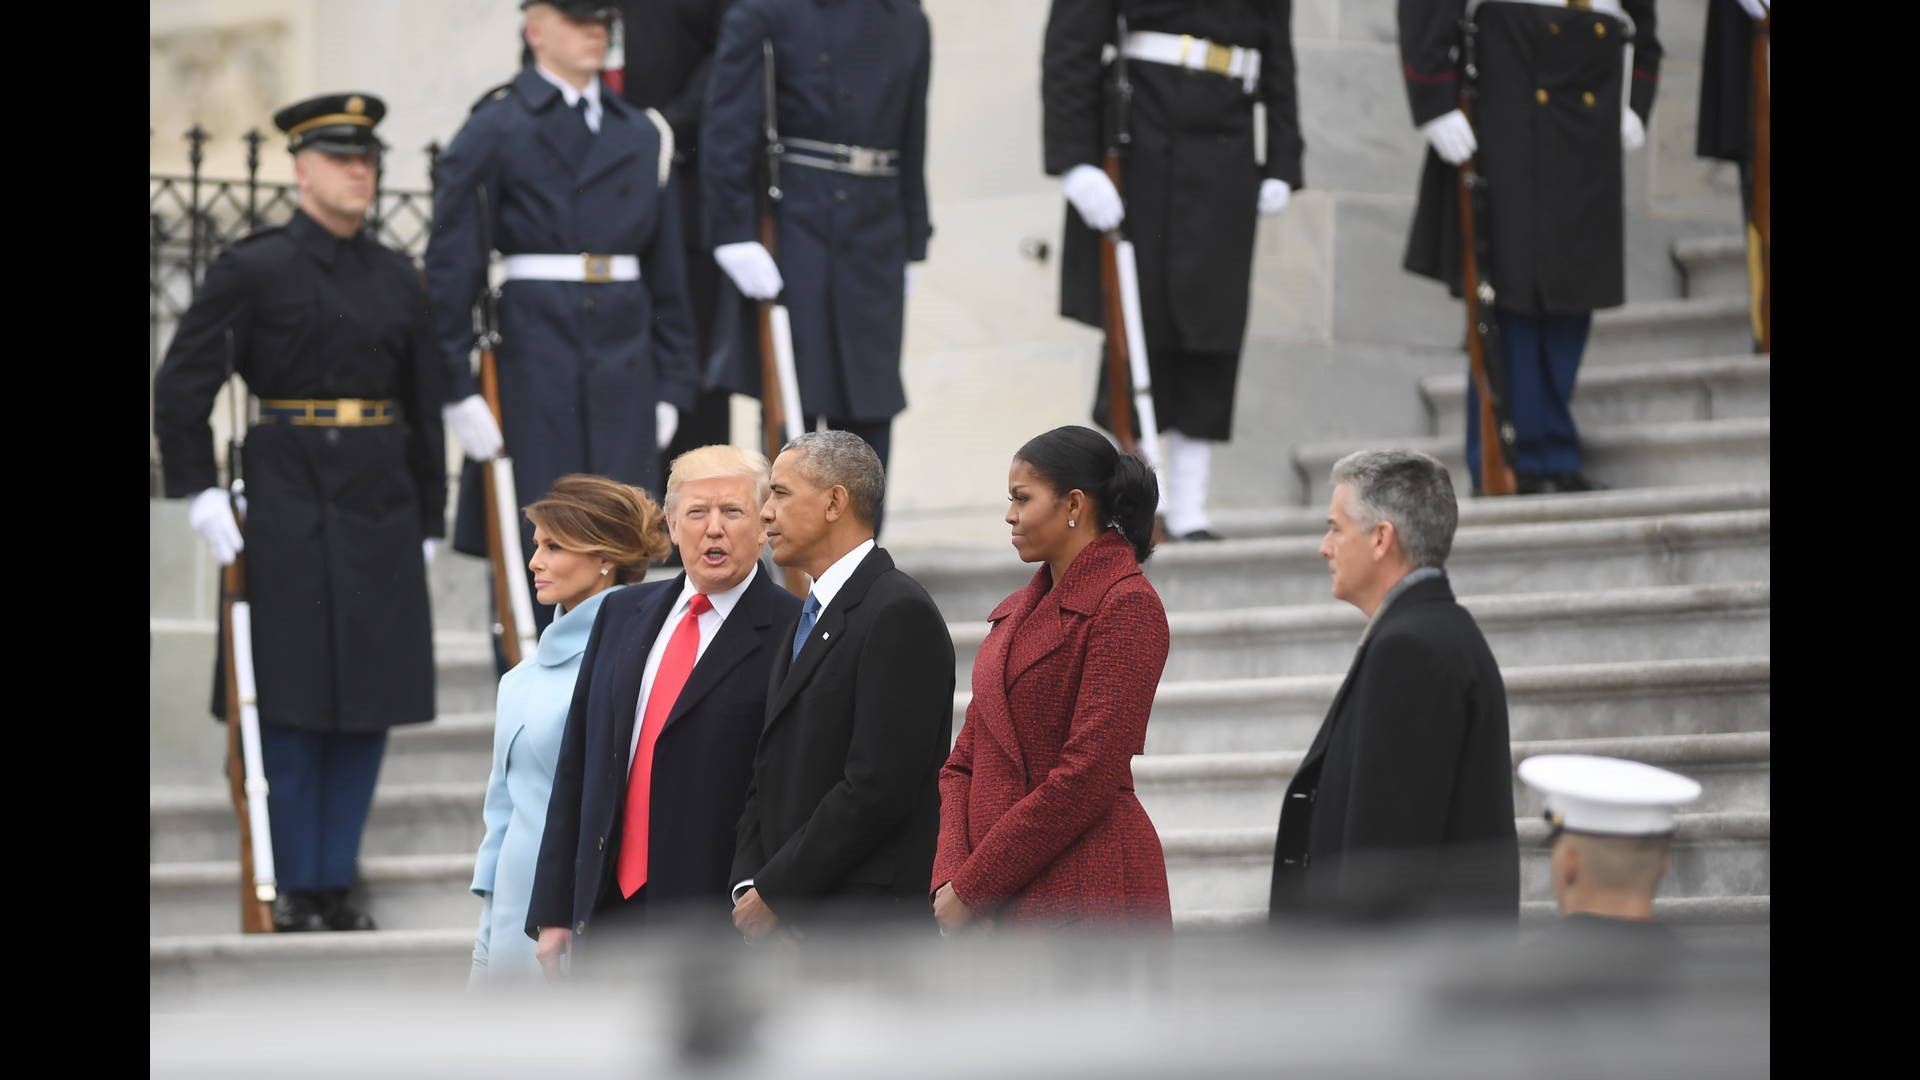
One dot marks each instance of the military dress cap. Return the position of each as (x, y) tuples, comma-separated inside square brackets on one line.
[(1604, 796), (579, 9), (335, 123)]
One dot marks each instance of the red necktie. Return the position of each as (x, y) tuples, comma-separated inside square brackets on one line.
[(675, 665)]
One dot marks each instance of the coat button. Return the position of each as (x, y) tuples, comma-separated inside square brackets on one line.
[(580, 927), (333, 436), (603, 843), (1599, 29), (839, 194), (1587, 97), (826, 58), (587, 304), (1540, 96), (1553, 28)]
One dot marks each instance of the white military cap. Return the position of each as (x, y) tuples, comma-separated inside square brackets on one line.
[(1607, 796)]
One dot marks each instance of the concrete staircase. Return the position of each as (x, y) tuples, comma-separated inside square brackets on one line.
[(1633, 622)]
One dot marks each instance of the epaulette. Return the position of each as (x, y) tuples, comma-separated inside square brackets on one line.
[(498, 93)]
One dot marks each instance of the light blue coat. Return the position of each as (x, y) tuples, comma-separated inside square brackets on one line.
[(529, 717)]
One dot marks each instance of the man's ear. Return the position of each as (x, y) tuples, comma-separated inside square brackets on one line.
[(838, 502), (1384, 539)]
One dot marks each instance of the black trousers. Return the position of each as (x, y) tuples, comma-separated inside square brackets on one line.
[(1192, 391)]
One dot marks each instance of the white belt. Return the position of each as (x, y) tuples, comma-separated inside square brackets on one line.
[(1199, 54), (581, 267)]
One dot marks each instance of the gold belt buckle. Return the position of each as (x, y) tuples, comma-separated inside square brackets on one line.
[(597, 269), (349, 411), (1219, 58)]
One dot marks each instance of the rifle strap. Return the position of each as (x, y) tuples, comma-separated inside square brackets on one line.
[(666, 144)]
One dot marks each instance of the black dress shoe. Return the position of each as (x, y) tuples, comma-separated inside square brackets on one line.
[(297, 912), (340, 915), (1197, 534), (1575, 481)]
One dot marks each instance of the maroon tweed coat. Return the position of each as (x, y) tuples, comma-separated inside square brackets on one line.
[(1039, 824)]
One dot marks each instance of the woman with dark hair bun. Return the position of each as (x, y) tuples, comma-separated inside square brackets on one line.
[(1039, 825)]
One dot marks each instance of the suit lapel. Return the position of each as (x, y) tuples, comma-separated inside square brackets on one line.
[(827, 632), (991, 666), (737, 639), (630, 661)]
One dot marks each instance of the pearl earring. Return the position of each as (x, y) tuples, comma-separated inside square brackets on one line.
[(1072, 523), (604, 570)]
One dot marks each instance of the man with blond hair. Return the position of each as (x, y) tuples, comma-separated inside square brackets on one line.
[(658, 749)]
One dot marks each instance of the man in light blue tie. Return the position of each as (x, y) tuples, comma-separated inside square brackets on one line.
[(844, 808)]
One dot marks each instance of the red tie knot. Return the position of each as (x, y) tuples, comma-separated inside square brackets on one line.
[(699, 605)]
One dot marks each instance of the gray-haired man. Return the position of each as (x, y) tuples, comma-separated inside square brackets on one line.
[(1404, 802)]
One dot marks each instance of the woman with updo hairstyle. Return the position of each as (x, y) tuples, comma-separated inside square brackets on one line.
[(1039, 824), (591, 535)]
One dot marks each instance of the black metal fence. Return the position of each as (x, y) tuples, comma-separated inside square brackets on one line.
[(193, 217)]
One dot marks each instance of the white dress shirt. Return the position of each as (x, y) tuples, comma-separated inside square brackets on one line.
[(710, 621)]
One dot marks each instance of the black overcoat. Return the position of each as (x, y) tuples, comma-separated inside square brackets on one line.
[(845, 799), (1191, 182), (1548, 126), (1404, 802), (342, 636)]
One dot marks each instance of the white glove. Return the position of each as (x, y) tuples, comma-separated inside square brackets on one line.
[(472, 423), (212, 518), (752, 269), (1756, 8), (666, 421), (1451, 136), (428, 549), (1094, 196), (906, 287), (1274, 195), (1633, 134)]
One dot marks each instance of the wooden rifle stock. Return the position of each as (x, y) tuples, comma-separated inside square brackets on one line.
[(256, 915), (773, 409), (1119, 365), (496, 543), (1496, 475), (1760, 219)]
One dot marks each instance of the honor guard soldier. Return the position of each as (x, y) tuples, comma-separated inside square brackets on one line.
[(1726, 130), (345, 484), (1549, 130), (850, 109), (575, 189), (1612, 830), (1192, 189), (669, 61)]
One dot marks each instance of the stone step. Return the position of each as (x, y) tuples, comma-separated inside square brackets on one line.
[(1714, 855), (401, 892), (1665, 329), (189, 971), (1558, 701), (1222, 791), (1655, 697), (1523, 630), (195, 824), (1675, 390), (1311, 521), (1677, 549), (1712, 265), (1632, 455)]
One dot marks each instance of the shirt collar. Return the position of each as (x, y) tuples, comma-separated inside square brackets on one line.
[(722, 601), (567, 93), (1414, 577), (828, 585), (314, 237)]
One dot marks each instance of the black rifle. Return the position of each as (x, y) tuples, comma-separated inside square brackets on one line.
[(1486, 362)]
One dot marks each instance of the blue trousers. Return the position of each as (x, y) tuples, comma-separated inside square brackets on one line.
[(1543, 356), (320, 787)]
